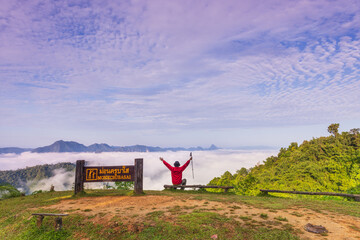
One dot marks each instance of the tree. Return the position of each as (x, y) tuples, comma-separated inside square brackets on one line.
[(243, 172), (355, 137), (334, 129), (355, 131)]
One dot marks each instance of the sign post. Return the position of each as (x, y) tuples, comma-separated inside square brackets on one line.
[(132, 173), (138, 183), (79, 178)]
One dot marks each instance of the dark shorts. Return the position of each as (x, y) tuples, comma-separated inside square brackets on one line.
[(183, 182)]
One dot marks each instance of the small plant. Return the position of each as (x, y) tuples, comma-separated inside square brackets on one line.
[(355, 228), (155, 214), (297, 214), (288, 227), (174, 209), (245, 218), (87, 210), (264, 216), (279, 218), (235, 207)]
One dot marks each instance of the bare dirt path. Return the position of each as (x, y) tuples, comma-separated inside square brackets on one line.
[(110, 210)]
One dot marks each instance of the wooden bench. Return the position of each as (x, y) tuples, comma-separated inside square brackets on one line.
[(226, 188), (356, 197), (58, 220)]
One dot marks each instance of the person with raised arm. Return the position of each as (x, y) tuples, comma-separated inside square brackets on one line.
[(176, 171)]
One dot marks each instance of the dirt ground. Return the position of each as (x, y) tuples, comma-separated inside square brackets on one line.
[(133, 210)]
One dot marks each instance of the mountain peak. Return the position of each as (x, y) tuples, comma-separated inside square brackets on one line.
[(213, 147), (62, 146)]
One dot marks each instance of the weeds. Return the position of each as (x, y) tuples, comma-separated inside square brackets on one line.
[(282, 219), (245, 218), (355, 228), (297, 214)]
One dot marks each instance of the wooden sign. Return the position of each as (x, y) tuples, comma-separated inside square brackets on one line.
[(109, 174)]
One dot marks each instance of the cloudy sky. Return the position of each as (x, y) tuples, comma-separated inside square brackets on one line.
[(177, 73)]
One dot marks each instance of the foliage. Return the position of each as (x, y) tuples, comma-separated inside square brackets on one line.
[(324, 164), (334, 129), (8, 191), (124, 185), (18, 178)]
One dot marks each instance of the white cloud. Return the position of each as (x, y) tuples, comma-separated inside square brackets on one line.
[(207, 165)]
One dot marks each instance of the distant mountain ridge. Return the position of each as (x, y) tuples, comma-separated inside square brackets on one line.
[(71, 146), (14, 150)]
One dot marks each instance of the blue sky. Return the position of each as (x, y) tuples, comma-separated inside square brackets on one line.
[(177, 73)]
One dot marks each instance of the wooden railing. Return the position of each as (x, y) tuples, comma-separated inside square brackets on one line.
[(356, 197)]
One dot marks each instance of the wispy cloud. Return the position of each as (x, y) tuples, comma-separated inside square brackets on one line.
[(178, 64)]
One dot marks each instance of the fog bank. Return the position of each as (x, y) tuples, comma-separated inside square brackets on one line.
[(207, 165)]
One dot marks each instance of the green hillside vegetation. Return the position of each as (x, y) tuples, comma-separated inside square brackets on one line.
[(8, 191), (324, 164), (18, 178)]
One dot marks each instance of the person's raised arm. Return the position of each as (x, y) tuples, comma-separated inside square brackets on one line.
[(183, 167), (166, 164)]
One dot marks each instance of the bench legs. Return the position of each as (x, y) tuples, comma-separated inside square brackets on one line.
[(39, 220), (57, 224)]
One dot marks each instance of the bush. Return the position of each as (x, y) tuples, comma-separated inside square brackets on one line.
[(8, 191)]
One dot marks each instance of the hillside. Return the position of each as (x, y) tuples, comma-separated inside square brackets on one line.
[(114, 214), (324, 164), (20, 178)]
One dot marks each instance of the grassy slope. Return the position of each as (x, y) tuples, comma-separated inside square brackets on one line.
[(16, 221), (324, 164)]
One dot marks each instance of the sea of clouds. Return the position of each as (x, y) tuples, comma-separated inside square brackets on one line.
[(206, 165)]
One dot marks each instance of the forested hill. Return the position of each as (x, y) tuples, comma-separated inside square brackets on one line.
[(19, 178), (324, 164)]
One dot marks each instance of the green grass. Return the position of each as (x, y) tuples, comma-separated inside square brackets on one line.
[(16, 221), (245, 218), (279, 218), (297, 214), (355, 228)]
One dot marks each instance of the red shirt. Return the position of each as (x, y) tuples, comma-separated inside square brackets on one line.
[(176, 172)]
